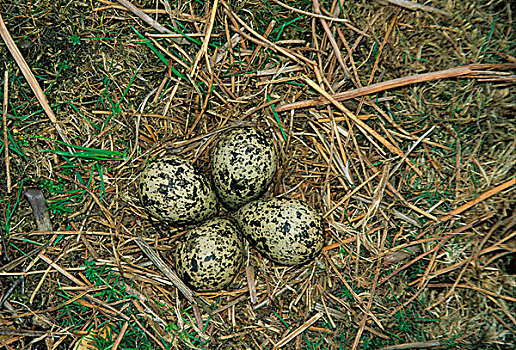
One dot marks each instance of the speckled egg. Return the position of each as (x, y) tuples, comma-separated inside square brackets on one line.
[(173, 190), (286, 231), (243, 164), (209, 256)]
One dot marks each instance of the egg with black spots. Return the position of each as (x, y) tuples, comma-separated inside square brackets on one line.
[(173, 190), (243, 164), (209, 256), (287, 231)]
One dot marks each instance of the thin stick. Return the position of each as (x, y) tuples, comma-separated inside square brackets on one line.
[(293, 56), (398, 82), (479, 199), (414, 145), (167, 271), (60, 269), (475, 288), (353, 293), (311, 14), (395, 194), (204, 47), (166, 52), (298, 331), (258, 47), (104, 210), (411, 5), (39, 207), (27, 73), (382, 46), (144, 17), (31, 333), (373, 289), (251, 282), (6, 139), (329, 34), (353, 117), (418, 345), (504, 309), (120, 335)]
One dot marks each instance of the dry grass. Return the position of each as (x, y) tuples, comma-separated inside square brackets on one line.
[(416, 181)]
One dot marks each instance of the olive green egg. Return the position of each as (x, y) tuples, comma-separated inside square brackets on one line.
[(174, 191), (286, 231), (243, 164), (209, 256)]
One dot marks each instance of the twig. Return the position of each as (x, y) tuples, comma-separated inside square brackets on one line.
[(442, 240), (31, 333), (357, 121), (104, 210), (351, 290), (27, 73), (6, 139), (315, 15), (382, 46), (232, 42), (228, 305), (414, 6), (263, 41), (146, 18), (5, 256), (479, 199), (11, 265), (39, 208), (204, 47), (329, 34), (350, 194), (120, 335), (396, 194), (376, 199), (107, 308), (11, 290), (99, 305), (166, 52), (504, 309), (325, 308), (160, 343), (464, 71), (373, 289), (421, 256), (60, 269), (251, 282), (257, 49), (418, 345), (167, 271), (475, 288), (467, 261), (414, 145), (298, 331)]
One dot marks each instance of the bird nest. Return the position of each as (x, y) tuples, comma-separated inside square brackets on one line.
[(395, 120)]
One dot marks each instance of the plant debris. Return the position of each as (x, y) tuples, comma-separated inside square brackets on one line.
[(394, 119)]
